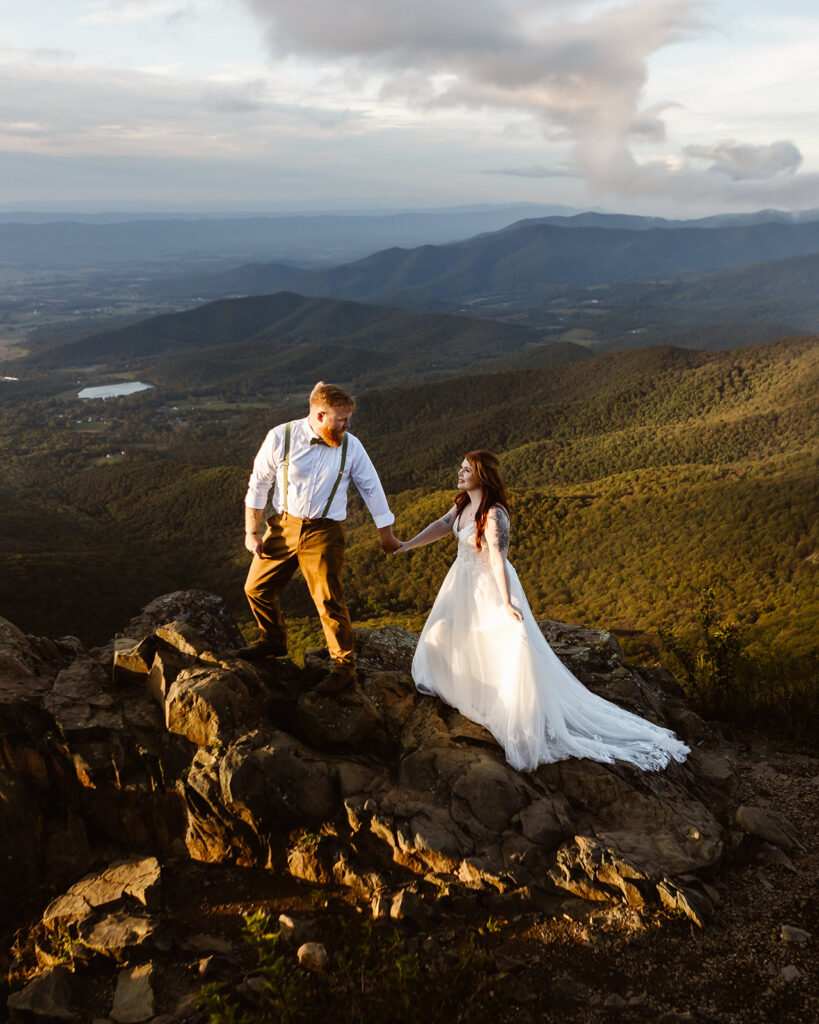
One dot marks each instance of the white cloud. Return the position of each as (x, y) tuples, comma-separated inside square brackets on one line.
[(583, 77)]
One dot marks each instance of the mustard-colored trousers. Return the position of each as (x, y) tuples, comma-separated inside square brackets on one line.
[(316, 546)]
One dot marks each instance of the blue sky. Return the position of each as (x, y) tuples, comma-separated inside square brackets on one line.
[(675, 107)]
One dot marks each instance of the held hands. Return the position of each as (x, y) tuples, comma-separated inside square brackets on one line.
[(389, 542)]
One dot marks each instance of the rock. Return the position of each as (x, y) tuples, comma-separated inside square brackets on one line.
[(390, 647), (184, 638), (139, 878), (18, 658), (166, 666), (269, 777), (206, 613), (205, 704), (313, 957), (614, 1002), (47, 998), (133, 659), (209, 944), (406, 906), (796, 935), (791, 973), (347, 720), (119, 935), (81, 705), (134, 995), (691, 901), (295, 930), (768, 825)]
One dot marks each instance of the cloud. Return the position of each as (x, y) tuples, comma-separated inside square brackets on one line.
[(744, 162), (580, 69), (534, 172)]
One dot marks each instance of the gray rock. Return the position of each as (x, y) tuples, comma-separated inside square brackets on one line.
[(134, 995), (313, 957), (790, 973), (347, 720), (296, 930), (18, 658), (184, 638), (47, 998), (796, 935), (768, 825), (207, 613)]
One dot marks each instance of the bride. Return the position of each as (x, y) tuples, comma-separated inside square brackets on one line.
[(482, 652)]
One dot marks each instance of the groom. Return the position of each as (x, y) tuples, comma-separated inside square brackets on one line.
[(309, 464)]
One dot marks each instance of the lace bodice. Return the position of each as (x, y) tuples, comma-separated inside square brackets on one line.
[(497, 534)]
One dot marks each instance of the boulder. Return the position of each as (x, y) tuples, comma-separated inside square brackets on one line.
[(45, 999), (205, 704), (134, 995), (767, 825), (313, 957), (347, 721), (205, 612)]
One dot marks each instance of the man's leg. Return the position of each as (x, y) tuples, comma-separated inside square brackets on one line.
[(321, 558), (266, 577)]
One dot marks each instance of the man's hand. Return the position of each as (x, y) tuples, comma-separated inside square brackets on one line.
[(253, 543), (389, 542)]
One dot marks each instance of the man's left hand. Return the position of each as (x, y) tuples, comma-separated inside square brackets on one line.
[(389, 542)]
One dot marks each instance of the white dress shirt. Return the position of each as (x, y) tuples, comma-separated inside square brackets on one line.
[(311, 474)]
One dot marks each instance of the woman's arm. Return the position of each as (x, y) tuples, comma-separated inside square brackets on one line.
[(497, 537), (435, 531)]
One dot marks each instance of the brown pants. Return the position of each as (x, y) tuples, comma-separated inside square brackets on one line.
[(316, 546)]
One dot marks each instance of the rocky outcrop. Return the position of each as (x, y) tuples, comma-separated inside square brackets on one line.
[(162, 744)]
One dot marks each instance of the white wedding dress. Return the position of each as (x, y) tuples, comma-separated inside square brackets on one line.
[(505, 676)]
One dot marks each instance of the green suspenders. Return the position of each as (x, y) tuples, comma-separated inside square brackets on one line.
[(338, 478), (286, 464)]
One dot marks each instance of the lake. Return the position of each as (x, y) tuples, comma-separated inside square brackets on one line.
[(114, 390)]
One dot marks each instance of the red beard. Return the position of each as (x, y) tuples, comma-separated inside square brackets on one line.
[(332, 437)]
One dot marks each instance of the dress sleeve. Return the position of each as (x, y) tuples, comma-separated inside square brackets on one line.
[(497, 530)]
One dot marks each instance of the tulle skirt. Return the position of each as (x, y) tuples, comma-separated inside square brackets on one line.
[(505, 676)]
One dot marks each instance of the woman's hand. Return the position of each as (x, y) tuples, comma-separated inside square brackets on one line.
[(401, 547), (513, 612)]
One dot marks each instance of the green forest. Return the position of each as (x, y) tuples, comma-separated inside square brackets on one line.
[(640, 480)]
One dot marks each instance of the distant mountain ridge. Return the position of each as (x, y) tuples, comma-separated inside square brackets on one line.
[(285, 336), (528, 262)]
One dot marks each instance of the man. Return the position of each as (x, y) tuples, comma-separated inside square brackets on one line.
[(309, 463)]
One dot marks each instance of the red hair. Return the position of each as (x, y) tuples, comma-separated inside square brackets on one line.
[(486, 471)]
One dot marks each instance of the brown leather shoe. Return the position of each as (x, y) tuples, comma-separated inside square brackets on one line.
[(336, 682), (262, 649)]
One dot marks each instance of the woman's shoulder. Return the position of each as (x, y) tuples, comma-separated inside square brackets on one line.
[(498, 513)]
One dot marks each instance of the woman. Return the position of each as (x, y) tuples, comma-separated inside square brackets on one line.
[(481, 650)]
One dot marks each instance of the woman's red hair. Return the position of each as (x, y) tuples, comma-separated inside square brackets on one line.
[(486, 470)]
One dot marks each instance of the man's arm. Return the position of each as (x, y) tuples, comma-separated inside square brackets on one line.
[(253, 521), (364, 476), (261, 480)]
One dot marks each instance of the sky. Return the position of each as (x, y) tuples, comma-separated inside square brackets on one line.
[(676, 108)]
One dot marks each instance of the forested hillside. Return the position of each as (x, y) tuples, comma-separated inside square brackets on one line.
[(638, 479)]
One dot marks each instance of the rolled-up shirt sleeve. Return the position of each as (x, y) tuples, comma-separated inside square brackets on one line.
[(369, 487), (265, 466)]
